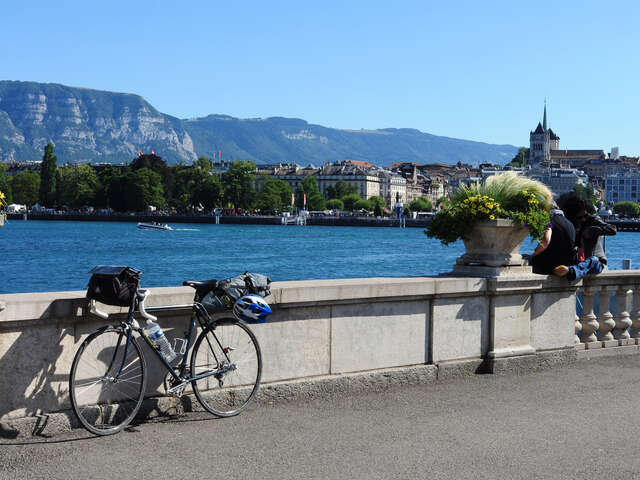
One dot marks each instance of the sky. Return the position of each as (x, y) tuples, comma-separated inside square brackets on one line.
[(463, 69)]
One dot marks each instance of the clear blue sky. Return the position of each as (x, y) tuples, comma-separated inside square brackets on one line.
[(464, 69)]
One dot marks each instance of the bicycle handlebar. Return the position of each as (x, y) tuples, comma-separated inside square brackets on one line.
[(143, 293)]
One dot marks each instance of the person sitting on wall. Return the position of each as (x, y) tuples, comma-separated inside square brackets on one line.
[(589, 233), (557, 245), (589, 227)]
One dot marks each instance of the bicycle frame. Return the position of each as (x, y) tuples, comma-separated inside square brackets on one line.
[(178, 373)]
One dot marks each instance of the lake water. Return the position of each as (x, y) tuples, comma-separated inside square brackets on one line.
[(41, 256)]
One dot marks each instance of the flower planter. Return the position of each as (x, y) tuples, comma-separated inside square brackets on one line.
[(494, 243)]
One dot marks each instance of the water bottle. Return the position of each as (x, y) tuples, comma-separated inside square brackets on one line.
[(157, 337)]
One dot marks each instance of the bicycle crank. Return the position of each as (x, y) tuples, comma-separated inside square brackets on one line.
[(172, 387)]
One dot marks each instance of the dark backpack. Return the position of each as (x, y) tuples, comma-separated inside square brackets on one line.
[(230, 289), (113, 285)]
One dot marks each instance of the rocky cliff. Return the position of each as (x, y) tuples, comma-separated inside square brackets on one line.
[(97, 126), (85, 125)]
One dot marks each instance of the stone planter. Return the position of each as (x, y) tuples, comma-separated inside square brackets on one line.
[(494, 243), (1, 219)]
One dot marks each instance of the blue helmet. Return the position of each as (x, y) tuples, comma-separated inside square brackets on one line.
[(252, 308)]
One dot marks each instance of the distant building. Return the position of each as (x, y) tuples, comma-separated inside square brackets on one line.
[(622, 188), (559, 180), (542, 141)]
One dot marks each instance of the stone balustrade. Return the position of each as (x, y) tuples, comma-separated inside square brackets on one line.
[(610, 314)]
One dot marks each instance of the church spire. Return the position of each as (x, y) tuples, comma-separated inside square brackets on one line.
[(544, 119)]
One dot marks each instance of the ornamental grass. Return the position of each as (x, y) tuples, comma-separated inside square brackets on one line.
[(509, 196)]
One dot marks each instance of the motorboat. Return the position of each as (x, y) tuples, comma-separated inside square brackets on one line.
[(154, 226)]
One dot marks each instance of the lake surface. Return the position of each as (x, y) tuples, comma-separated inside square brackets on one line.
[(42, 256)]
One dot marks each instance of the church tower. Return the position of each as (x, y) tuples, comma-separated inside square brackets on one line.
[(541, 141)]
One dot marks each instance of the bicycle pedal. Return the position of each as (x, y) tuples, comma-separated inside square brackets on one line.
[(177, 391)]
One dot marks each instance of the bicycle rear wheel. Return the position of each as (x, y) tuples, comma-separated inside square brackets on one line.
[(228, 343), (107, 384)]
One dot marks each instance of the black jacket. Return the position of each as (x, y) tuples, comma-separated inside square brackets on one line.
[(593, 227), (561, 249)]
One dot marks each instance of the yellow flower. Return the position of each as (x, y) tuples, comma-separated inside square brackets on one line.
[(492, 217)]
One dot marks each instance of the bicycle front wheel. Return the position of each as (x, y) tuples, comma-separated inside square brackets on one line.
[(107, 381), (228, 351)]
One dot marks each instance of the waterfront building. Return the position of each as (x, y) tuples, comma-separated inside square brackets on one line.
[(369, 180), (366, 179), (393, 187), (623, 187), (559, 180)]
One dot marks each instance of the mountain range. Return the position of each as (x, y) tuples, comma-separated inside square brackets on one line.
[(97, 126)]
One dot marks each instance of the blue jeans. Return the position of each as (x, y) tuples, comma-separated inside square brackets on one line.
[(591, 265)]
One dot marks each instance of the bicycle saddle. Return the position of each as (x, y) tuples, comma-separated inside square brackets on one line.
[(207, 284)]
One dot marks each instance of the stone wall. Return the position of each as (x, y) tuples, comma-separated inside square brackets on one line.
[(320, 329)]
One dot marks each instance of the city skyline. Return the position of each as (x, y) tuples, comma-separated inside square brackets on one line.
[(470, 71)]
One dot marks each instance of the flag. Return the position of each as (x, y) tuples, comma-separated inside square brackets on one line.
[(220, 155), (214, 154), (139, 153), (304, 199), (153, 152), (293, 199)]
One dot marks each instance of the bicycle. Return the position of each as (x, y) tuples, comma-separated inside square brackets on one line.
[(109, 372)]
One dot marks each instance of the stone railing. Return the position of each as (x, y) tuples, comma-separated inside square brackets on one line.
[(321, 331), (610, 314)]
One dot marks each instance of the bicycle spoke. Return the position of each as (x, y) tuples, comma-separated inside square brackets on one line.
[(107, 386)]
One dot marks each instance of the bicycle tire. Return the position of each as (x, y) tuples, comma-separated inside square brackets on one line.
[(104, 404), (230, 393)]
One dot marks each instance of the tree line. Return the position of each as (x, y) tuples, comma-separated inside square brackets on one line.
[(149, 181)]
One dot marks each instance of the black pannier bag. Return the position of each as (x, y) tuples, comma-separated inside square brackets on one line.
[(113, 285), (230, 289)]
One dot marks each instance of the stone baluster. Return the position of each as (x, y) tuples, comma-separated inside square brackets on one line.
[(635, 314), (588, 320), (605, 318), (578, 330), (622, 318)]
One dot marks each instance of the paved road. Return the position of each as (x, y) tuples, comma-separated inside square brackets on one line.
[(578, 422)]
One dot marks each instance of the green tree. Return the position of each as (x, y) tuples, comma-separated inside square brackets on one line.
[(350, 201), (152, 189), (77, 186), (315, 199), (341, 189), (377, 205), (363, 204), (25, 187), (238, 184), (48, 176), (5, 184), (157, 164), (135, 191), (274, 194), (335, 204), (521, 158), (627, 209), (586, 192), (207, 191), (422, 204), (188, 179), (105, 178)]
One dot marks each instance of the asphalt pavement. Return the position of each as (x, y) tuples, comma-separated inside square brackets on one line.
[(576, 422)]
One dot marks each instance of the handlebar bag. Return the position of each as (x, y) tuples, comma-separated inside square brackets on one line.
[(113, 285)]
